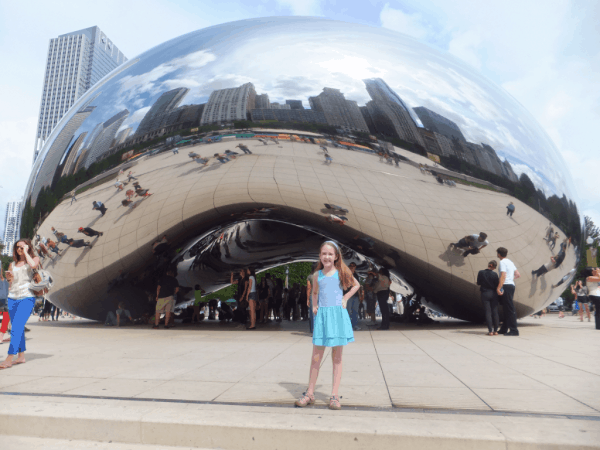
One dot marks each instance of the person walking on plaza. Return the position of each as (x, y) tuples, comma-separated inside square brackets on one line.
[(99, 207), (581, 292), (353, 301), (510, 209), (89, 232), (487, 280), (73, 198), (21, 299), (506, 291), (165, 291), (130, 176), (382, 291), (244, 148), (332, 327), (592, 281)]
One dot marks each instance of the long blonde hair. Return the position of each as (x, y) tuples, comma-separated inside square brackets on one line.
[(346, 277)]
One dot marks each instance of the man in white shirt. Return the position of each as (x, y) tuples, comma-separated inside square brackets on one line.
[(473, 243), (506, 291)]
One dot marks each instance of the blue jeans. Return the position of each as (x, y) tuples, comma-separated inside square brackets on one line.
[(19, 311), (352, 307)]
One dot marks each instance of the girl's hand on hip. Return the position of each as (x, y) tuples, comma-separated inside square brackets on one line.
[(315, 309)]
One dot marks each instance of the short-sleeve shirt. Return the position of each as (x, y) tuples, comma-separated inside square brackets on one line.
[(241, 285), (476, 242), (355, 275), (124, 312), (167, 285), (198, 296), (506, 265)]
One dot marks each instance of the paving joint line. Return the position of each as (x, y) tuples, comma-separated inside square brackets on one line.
[(441, 365), (524, 374), (393, 409)]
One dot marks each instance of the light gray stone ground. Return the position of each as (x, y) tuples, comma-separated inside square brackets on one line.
[(552, 368)]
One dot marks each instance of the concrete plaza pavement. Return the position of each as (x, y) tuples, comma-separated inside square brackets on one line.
[(446, 383)]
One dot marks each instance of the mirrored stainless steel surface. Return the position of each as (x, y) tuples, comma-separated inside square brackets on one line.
[(252, 142)]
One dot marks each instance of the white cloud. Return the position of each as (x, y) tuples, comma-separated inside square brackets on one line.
[(411, 24), (302, 7)]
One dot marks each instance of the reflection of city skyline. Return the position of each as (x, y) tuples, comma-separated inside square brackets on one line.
[(423, 77), (386, 114)]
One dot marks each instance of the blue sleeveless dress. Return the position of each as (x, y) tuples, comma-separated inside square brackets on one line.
[(332, 326)]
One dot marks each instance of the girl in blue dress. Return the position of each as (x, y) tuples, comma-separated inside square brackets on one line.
[(332, 327)]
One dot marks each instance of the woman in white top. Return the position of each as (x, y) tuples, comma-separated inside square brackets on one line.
[(21, 299), (592, 282), (251, 297)]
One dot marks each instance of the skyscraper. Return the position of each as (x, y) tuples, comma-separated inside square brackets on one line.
[(75, 62), (438, 124), (262, 102), (338, 111), (12, 226), (225, 105), (390, 114), (105, 139), (294, 104), (167, 102), (57, 150)]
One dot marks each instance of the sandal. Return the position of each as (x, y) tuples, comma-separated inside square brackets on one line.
[(305, 400), (334, 402)]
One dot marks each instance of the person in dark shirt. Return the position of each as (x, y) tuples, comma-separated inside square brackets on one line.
[(166, 289), (78, 243), (241, 282), (488, 280), (89, 232)]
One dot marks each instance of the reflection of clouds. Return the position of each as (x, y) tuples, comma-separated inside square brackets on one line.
[(537, 180), (153, 82), (294, 58)]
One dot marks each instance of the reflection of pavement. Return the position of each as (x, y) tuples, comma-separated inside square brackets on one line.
[(451, 366), (401, 207)]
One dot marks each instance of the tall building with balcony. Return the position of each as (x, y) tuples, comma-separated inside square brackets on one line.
[(226, 105), (389, 112), (338, 111), (438, 123), (74, 63), (12, 227)]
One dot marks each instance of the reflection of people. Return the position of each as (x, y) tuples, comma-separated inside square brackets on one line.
[(510, 209), (332, 327), (244, 148), (545, 268), (474, 243), (21, 299), (89, 231), (506, 289), (487, 280), (78, 243), (99, 207)]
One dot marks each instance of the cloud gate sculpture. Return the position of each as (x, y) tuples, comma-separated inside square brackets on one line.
[(251, 142)]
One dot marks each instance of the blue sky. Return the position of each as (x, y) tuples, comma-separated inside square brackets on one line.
[(545, 54)]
